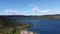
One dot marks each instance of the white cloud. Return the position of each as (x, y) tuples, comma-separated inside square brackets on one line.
[(11, 12), (50, 12), (35, 11), (44, 12)]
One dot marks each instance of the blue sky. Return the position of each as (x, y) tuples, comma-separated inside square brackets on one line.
[(29, 7)]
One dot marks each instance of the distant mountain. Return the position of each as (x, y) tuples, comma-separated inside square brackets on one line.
[(50, 17), (42, 17)]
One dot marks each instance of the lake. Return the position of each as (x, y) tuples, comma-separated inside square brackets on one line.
[(44, 26)]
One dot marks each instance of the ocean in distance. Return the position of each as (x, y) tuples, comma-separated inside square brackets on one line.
[(44, 26)]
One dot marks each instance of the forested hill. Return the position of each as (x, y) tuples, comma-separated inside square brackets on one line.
[(43, 17), (9, 25), (50, 17)]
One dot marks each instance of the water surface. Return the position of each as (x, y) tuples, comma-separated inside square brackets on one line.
[(44, 26)]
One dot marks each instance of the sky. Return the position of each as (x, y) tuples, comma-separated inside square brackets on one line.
[(29, 7)]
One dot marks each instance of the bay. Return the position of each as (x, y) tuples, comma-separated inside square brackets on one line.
[(44, 26)]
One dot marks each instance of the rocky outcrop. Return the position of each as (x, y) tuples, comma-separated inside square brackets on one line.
[(26, 32)]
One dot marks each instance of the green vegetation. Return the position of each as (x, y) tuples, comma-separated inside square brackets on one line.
[(50, 17), (41, 17), (11, 26)]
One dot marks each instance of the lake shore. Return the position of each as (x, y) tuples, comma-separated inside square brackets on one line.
[(27, 32)]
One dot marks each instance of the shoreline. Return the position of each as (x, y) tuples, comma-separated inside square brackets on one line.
[(27, 32)]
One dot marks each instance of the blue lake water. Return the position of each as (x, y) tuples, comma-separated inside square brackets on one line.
[(44, 26)]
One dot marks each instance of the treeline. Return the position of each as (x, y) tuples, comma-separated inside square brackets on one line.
[(31, 17), (6, 21)]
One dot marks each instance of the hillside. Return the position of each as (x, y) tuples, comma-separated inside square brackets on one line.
[(11, 26), (43, 17), (50, 17)]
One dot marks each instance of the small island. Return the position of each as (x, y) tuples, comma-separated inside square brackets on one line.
[(11, 26)]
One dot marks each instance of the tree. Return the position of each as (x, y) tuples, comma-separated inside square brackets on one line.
[(7, 21)]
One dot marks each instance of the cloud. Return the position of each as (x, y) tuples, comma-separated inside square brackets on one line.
[(44, 12), (34, 11), (34, 7), (11, 12), (50, 12)]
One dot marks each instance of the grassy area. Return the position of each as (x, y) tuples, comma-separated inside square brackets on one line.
[(16, 29), (11, 26)]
